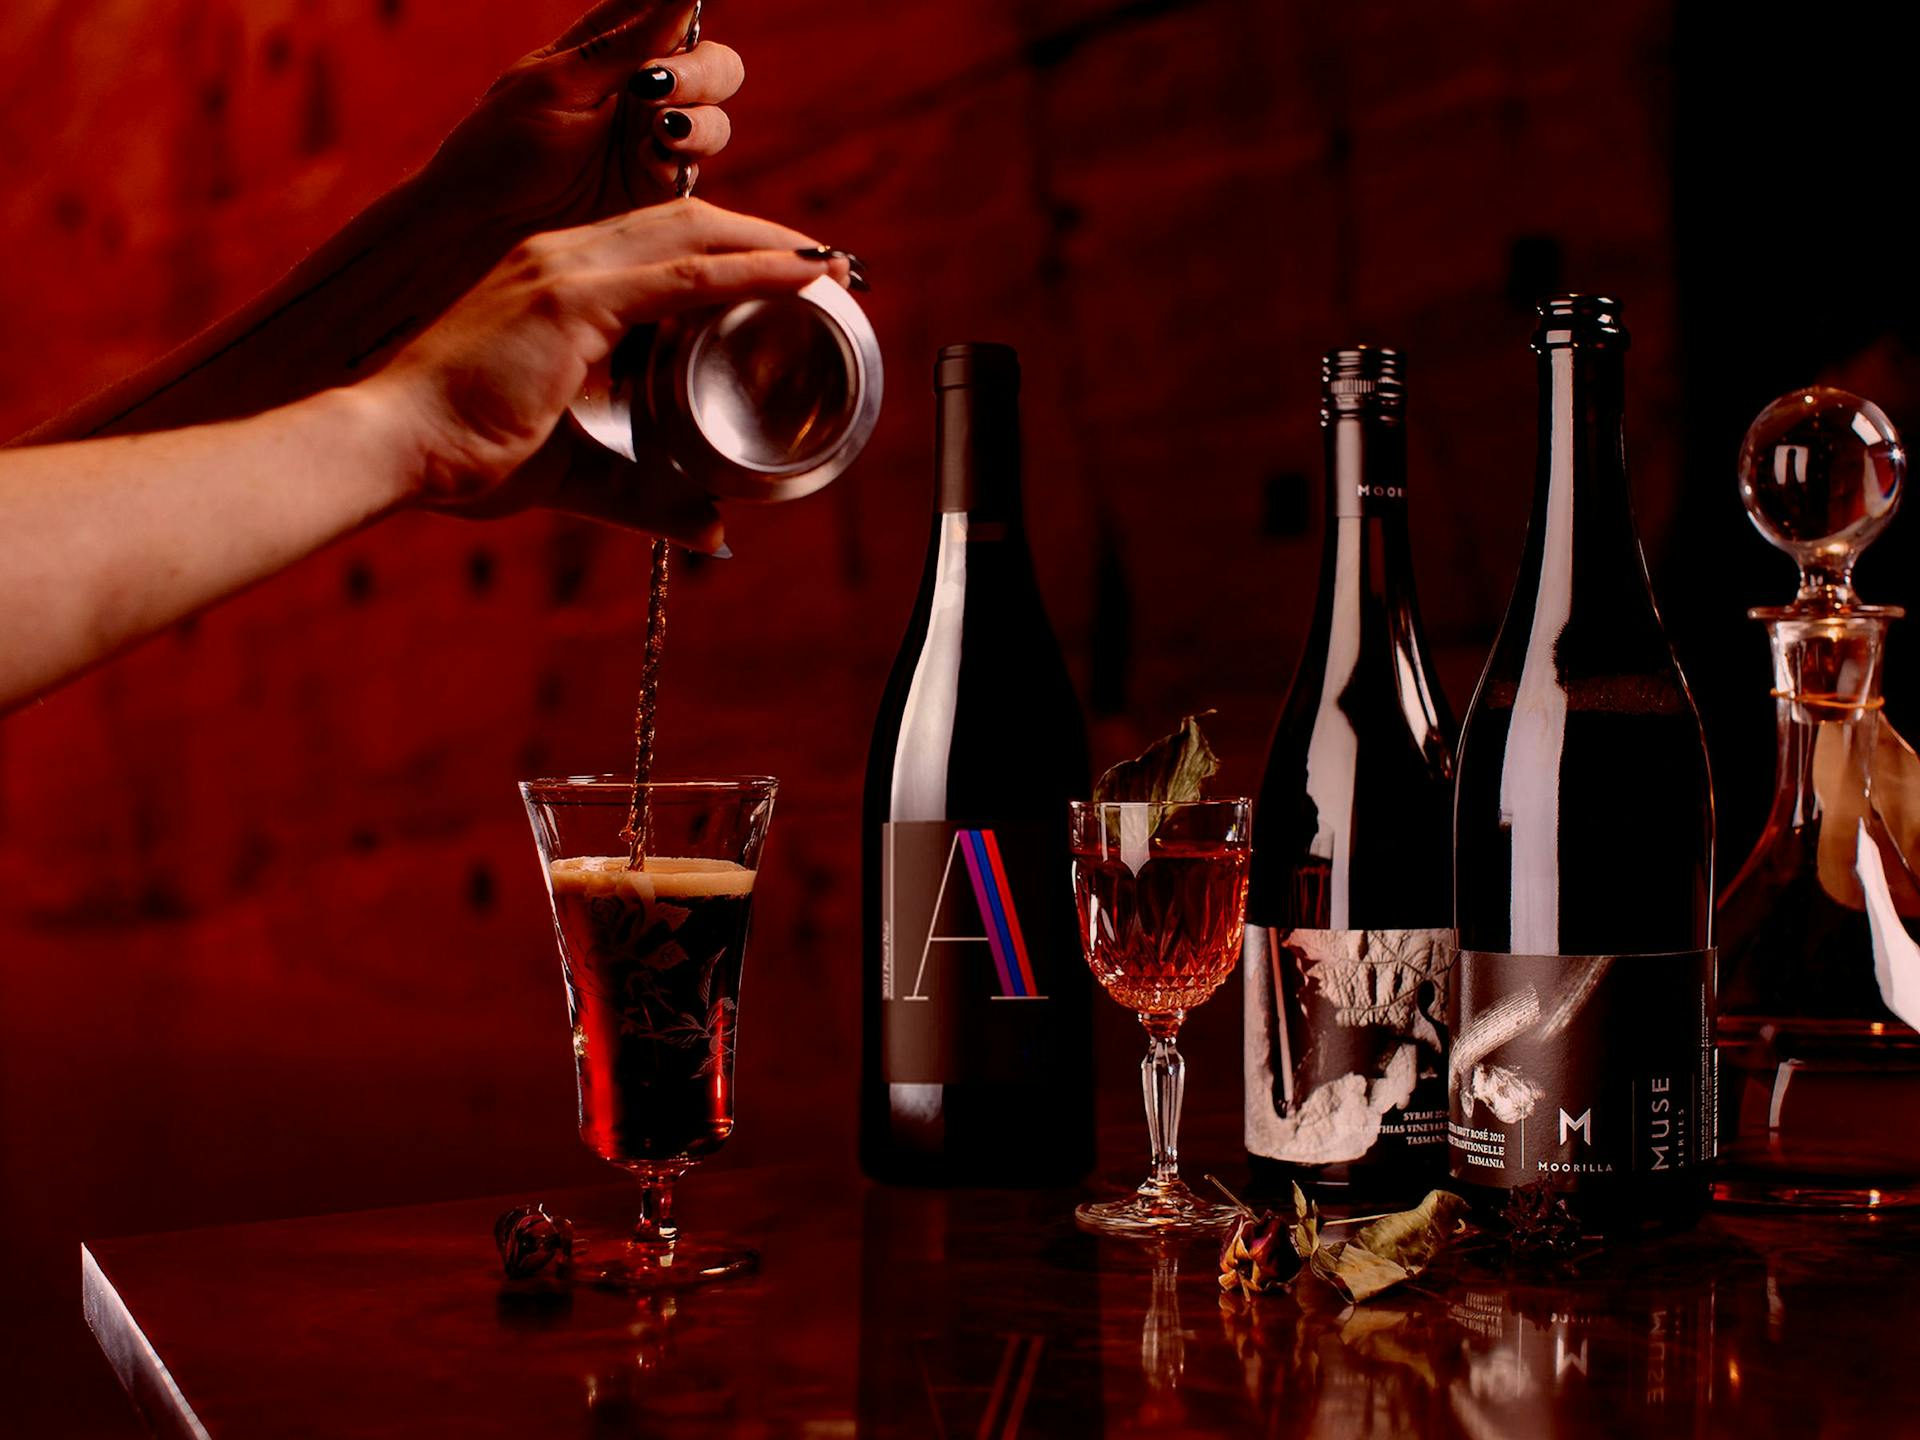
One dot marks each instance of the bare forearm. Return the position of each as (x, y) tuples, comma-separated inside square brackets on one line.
[(108, 541), (329, 321)]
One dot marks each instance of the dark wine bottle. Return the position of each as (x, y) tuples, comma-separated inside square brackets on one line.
[(1583, 835), (1349, 941), (977, 1057)]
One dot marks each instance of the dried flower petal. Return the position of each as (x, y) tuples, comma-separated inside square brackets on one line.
[(1306, 1227), (1256, 1258)]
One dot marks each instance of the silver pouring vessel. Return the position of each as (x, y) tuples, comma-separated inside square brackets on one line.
[(762, 400)]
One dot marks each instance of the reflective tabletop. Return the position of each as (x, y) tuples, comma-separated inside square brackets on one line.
[(986, 1313)]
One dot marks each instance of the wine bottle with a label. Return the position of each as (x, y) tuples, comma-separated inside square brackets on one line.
[(1582, 1033), (1349, 946), (977, 1053)]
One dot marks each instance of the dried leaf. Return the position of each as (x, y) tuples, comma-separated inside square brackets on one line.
[(1399, 1246), (1325, 1263), (1306, 1227), (1389, 1250), (1172, 770), (1359, 1274), (1411, 1238)]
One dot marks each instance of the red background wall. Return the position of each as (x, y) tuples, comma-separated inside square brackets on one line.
[(271, 935)]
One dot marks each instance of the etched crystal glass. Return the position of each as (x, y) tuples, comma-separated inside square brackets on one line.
[(1161, 893), (652, 959)]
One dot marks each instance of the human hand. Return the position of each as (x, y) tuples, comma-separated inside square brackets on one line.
[(596, 124), (479, 396)]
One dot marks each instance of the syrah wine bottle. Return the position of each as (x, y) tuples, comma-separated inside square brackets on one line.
[(1583, 880), (977, 1055), (1349, 941)]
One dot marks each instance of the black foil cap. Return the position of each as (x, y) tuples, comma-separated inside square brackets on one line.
[(1580, 321), (1361, 379), (977, 362)]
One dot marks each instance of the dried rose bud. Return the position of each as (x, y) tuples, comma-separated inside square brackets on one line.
[(1258, 1257), (529, 1238)]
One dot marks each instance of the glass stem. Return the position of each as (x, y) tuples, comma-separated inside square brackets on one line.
[(656, 1225), (1163, 1077)]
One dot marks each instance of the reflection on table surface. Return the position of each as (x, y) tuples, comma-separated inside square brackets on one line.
[(913, 1313)]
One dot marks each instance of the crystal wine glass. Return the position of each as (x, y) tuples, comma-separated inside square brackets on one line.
[(1161, 893), (652, 960)]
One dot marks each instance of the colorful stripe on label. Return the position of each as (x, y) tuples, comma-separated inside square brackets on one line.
[(990, 889)]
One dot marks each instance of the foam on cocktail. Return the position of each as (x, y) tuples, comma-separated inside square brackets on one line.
[(653, 988), (664, 877)]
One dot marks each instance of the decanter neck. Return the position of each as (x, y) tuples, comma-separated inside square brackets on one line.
[(1826, 680), (1826, 669)]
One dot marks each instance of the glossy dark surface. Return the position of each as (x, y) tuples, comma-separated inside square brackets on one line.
[(919, 1313)]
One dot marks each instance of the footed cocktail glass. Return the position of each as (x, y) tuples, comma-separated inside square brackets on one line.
[(1161, 890), (652, 960)]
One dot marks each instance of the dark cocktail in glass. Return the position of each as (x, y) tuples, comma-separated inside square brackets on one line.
[(652, 958)]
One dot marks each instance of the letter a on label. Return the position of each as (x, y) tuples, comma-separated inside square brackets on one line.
[(987, 872)]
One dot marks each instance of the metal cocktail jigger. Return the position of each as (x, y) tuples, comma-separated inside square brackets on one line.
[(761, 400)]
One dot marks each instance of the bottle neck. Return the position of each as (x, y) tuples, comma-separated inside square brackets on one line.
[(1366, 625), (1582, 526), (1366, 550), (977, 453)]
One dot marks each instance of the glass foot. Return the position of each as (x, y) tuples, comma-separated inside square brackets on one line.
[(1155, 1209), (636, 1267)]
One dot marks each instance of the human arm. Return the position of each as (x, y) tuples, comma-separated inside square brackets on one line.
[(105, 541)]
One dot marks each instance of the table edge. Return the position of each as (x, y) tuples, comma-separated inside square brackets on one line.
[(141, 1371)]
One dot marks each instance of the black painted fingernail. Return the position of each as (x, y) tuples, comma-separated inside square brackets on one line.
[(654, 84), (856, 267), (677, 124)]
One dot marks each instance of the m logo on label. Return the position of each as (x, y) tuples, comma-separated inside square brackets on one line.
[(1584, 1125), (999, 920)]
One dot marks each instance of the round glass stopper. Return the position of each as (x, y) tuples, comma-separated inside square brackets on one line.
[(1820, 475)]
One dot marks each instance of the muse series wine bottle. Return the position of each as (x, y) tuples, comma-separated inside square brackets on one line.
[(1349, 943), (977, 1055), (1582, 1040)]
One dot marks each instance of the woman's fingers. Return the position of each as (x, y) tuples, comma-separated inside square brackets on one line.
[(701, 130), (668, 18), (680, 226), (602, 63), (692, 282), (667, 246), (708, 74)]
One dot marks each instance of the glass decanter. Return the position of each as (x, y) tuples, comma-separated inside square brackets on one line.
[(1819, 973)]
